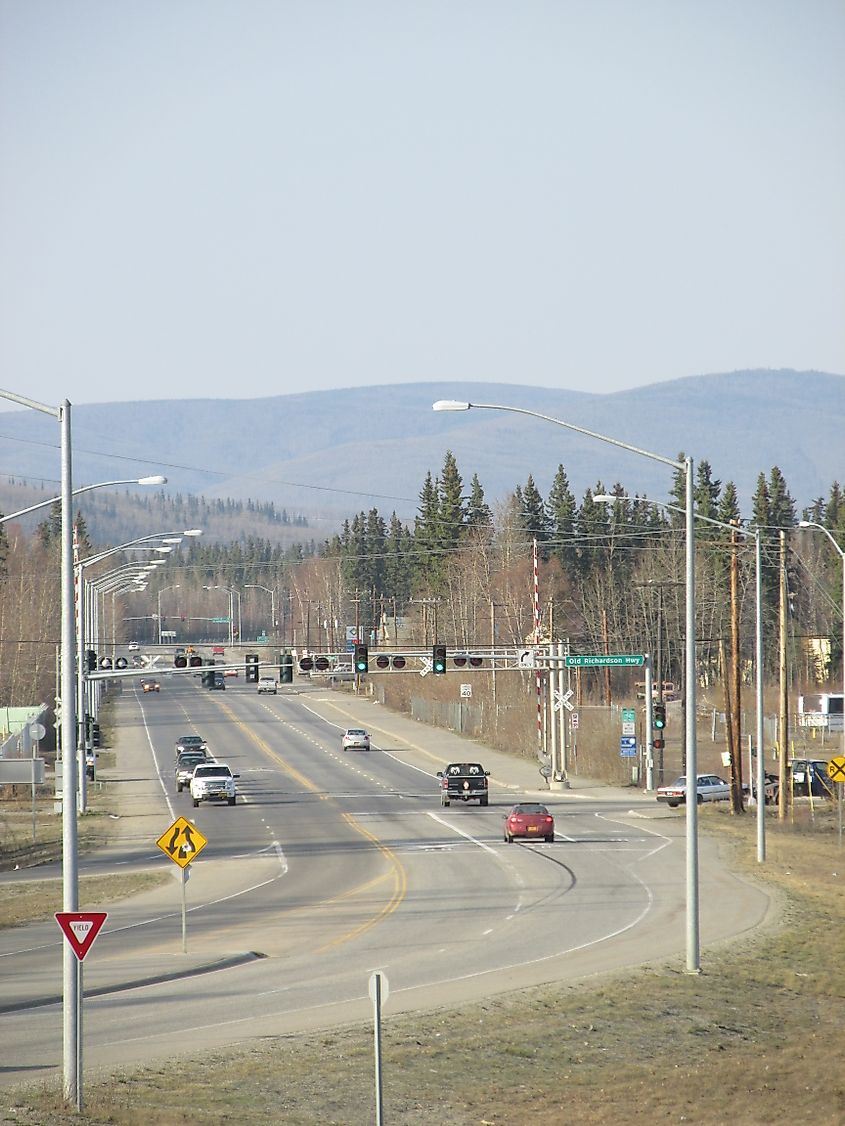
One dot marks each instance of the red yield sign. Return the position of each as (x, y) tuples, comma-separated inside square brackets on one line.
[(81, 928)]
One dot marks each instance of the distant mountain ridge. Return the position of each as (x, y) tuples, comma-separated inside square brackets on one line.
[(339, 452)]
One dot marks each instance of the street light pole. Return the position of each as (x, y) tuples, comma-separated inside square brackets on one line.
[(71, 968), (160, 593), (841, 553), (693, 948), (157, 480), (257, 586)]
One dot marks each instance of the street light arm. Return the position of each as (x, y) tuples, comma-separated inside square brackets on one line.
[(455, 405), (56, 412), (822, 528), (132, 543), (158, 480)]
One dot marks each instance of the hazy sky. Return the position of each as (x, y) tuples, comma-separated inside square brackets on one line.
[(241, 198)]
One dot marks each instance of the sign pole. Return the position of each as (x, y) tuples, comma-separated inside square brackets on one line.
[(378, 989), (79, 1035), (184, 912)]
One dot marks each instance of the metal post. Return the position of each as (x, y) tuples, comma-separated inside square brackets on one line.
[(758, 681), (649, 730), (70, 858), (693, 943)]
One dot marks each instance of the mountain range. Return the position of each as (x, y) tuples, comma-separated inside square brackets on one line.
[(330, 454)]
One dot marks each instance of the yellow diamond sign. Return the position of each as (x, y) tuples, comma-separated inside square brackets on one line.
[(182, 842)]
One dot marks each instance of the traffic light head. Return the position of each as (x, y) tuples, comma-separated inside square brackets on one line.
[(286, 669), (91, 660), (362, 659), (251, 668), (659, 716), (438, 659)]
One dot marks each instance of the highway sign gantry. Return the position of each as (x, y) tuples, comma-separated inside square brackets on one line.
[(600, 660), (80, 928), (182, 842)]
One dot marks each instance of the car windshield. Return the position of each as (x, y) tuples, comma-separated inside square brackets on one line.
[(190, 740), (212, 771), (355, 731), (531, 808)]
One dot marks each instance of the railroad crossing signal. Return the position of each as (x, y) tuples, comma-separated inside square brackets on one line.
[(182, 842)]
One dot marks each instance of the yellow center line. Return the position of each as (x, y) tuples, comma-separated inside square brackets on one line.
[(400, 876)]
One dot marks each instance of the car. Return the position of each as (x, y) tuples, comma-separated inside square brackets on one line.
[(213, 781), (190, 743), (463, 781), (90, 765), (355, 738), (150, 686), (185, 765), (810, 778), (709, 787), (267, 684), (133, 646), (218, 682), (529, 819)]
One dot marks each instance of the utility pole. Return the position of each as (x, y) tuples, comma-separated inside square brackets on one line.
[(736, 727), (783, 709)]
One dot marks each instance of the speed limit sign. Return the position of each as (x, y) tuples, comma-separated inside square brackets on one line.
[(574, 718)]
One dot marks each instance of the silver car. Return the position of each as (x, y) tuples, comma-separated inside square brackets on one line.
[(709, 787), (355, 739)]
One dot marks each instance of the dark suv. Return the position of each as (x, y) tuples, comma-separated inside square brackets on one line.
[(463, 781)]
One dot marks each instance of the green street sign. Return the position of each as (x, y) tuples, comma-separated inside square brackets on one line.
[(221, 621), (629, 715), (623, 660)]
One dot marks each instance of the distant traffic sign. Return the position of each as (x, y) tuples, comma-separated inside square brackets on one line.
[(80, 928), (628, 746), (629, 715), (182, 842), (599, 660)]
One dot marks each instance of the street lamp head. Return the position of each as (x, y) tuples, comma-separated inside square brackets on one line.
[(156, 480), (163, 550), (192, 532), (172, 539), (805, 523), (450, 405), (606, 498)]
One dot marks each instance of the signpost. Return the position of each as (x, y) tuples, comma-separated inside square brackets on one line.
[(80, 928), (836, 773), (600, 660), (182, 843), (378, 990)]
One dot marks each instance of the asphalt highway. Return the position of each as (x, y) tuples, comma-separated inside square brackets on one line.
[(334, 864)]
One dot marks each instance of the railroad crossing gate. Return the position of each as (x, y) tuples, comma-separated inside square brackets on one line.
[(182, 842)]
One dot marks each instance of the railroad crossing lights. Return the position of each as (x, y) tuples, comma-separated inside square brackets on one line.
[(182, 842)]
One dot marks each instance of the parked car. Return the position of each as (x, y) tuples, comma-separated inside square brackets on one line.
[(355, 738), (190, 743), (463, 781), (529, 819), (810, 778), (213, 781), (709, 787), (150, 686), (267, 684), (133, 646), (185, 765)]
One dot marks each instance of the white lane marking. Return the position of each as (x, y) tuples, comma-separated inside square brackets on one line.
[(461, 833)]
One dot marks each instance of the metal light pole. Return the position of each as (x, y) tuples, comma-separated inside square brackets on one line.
[(164, 590), (70, 859), (841, 552), (272, 593), (693, 946), (157, 480)]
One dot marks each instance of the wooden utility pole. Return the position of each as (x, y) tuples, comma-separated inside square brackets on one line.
[(783, 709), (729, 727), (736, 727), (606, 641)]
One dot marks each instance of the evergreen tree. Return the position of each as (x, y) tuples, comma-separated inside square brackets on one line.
[(563, 516), (479, 518), (535, 518)]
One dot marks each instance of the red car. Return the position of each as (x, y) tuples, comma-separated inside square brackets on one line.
[(529, 819)]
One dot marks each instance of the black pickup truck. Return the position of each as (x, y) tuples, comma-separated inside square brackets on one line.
[(463, 781)]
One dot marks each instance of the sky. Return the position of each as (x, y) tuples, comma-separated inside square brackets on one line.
[(246, 198)]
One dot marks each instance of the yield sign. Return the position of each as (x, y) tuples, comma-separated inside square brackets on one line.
[(81, 928)]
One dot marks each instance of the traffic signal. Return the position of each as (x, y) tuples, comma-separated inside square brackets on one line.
[(91, 660), (252, 668), (180, 662), (658, 744), (387, 661), (286, 669), (438, 659), (659, 716), (362, 659)]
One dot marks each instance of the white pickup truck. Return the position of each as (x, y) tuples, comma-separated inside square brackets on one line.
[(267, 684), (213, 781)]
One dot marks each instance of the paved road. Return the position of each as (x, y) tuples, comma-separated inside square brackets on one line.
[(334, 864)]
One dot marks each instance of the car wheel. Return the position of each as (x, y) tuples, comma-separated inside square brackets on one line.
[(551, 839), (699, 798), (231, 801), (444, 801), (673, 804), (483, 801), (178, 787), (508, 838), (196, 802)]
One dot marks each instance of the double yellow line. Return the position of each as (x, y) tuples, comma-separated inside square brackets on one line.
[(397, 870)]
